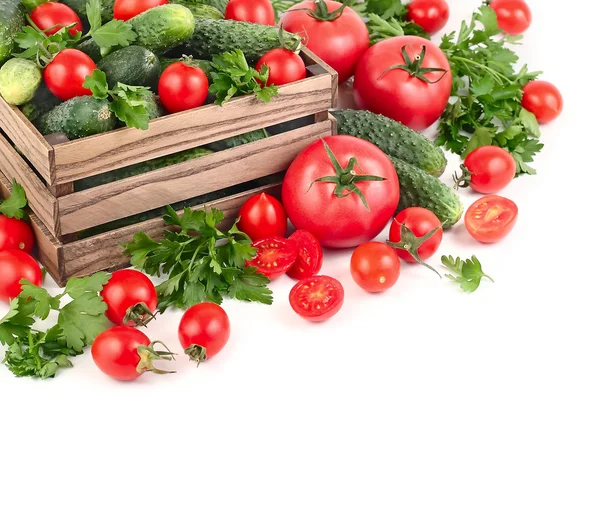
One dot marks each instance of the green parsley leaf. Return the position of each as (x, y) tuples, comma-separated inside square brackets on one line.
[(14, 206), (93, 10), (468, 272), (115, 33), (529, 122), (97, 84), (82, 320), (44, 303)]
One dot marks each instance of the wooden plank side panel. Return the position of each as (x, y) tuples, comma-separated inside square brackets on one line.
[(101, 153), (116, 200)]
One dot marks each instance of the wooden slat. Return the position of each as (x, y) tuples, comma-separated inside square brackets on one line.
[(314, 63), (40, 199), (26, 137), (116, 200), (101, 153)]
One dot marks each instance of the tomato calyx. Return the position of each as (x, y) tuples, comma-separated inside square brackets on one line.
[(410, 243), (415, 67), (321, 12), (294, 45), (140, 314), (148, 354), (196, 353), (46, 48), (345, 179), (464, 181)]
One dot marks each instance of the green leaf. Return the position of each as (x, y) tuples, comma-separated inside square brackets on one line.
[(44, 302), (467, 273), (82, 320), (529, 122), (135, 116), (484, 85), (93, 10), (77, 287), (481, 137), (14, 206), (97, 84), (115, 33), (489, 20)]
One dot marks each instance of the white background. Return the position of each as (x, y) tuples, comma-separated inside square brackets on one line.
[(421, 403)]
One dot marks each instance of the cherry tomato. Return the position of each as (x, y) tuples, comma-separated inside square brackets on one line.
[(491, 169), (284, 65), (420, 221), (131, 298), (263, 216), (182, 87), (274, 256), (310, 255), (53, 16), (255, 11), (15, 234), (204, 330), (66, 74), (491, 218), (127, 9), (543, 99), (125, 354), (514, 16), (432, 15), (317, 298), (375, 267), (14, 266)]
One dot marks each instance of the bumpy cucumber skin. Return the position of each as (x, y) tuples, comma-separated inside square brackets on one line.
[(164, 27), (43, 101), (12, 20), (205, 65), (238, 140), (19, 79), (79, 117), (213, 37), (201, 10), (419, 189), (393, 138), (91, 48), (79, 6), (154, 106), (133, 65)]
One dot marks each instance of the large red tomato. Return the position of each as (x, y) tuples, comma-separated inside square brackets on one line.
[(332, 31), (253, 11), (53, 16), (66, 74), (342, 189), (406, 78)]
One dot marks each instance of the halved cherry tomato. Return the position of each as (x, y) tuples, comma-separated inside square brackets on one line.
[(543, 99), (419, 221), (262, 216), (274, 256), (491, 218), (490, 169), (317, 298), (375, 266), (310, 255)]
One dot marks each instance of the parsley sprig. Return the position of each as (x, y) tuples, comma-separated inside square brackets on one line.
[(202, 263), (14, 206), (467, 273)]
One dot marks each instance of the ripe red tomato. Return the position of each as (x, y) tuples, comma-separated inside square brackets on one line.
[(204, 330), (375, 267), (127, 9), (15, 234), (53, 16), (182, 87), (310, 255), (514, 16), (66, 74), (432, 15), (395, 78), (131, 298), (262, 216), (420, 222), (333, 32), (125, 354), (491, 218), (274, 256), (490, 169), (14, 266), (543, 99), (317, 298), (284, 65), (255, 11), (321, 194)]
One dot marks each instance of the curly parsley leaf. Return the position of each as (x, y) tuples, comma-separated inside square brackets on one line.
[(386, 19), (467, 273), (38, 46), (14, 206), (113, 35)]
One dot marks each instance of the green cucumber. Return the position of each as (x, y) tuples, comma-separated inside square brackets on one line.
[(420, 189), (92, 49), (205, 65), (213, 37), (12, 20), (238, 140), (79, 117), (19, 79), (393, 138), (133, 65), (43, 101), (153, 106), (164, 27), (79, 6), (219, 5), (201, 9)]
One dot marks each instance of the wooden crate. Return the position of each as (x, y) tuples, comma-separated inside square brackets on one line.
[(49, 165)]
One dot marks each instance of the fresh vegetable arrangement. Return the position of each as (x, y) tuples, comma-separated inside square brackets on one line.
[(82, 69)]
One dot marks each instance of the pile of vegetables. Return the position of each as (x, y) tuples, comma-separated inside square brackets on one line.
[(84, 69)]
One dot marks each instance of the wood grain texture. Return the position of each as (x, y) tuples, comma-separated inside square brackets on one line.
[(314, 64), (116, 200), (27, 139)]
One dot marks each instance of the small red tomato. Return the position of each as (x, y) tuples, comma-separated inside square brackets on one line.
[(127, 9), (317, 298), (66, 74), (274, 256), (284, 65), (491, 218), (255, 11), (53, 16), (375, 267), (15, 234), (431, 15), (263, 216), (310, 255), (419, 222), (182, 87), (14, 266), (204, 330), (543, 99), (489, 169), (514, 16)]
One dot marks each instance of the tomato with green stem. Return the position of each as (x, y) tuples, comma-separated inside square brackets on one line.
[(543, 99), (51, 17), (15, 234), (310, 255), (487, 169), (431, 15), (274, 256), (127, 9), (375, 267), (317, 298), (254, 11), (66, 74), (514, 16), (285, 66), (262, 216), (204, 330), (15, 266), (491, 218)]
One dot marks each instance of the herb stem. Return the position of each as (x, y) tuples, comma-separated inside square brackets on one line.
[(493, 72)]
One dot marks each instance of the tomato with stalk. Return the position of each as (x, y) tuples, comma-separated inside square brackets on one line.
[(15, 266), (127, 9), (514, 16), (285, 66), (431, 15), (51, 17), (375, 267), (66, 74), (543, 99), (15, 234), (262, 216), (317, 298), (254, 11), (487, 169), (491, 218), (310, 255), (274, 256), (204, 330)]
